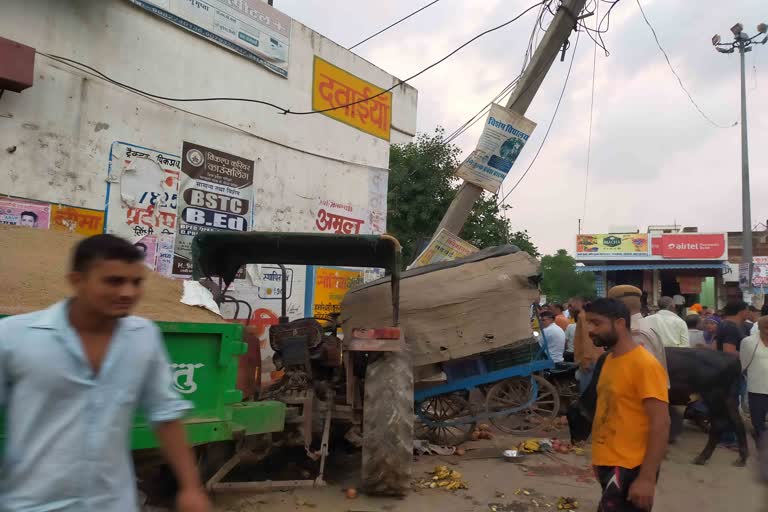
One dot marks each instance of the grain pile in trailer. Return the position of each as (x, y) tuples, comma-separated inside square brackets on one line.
[(33, 273)]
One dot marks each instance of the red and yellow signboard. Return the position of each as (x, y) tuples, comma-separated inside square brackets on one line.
[(333, 87), (331, 284), (79, 220)]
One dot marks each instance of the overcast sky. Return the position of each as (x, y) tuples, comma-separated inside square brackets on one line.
[(655, 160)]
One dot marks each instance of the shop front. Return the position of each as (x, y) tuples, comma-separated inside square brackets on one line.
[(686, 266)]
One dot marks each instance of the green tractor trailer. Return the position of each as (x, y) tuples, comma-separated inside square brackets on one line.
[(363, 382)]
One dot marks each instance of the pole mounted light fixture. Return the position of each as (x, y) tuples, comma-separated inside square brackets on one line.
[(743, 44)]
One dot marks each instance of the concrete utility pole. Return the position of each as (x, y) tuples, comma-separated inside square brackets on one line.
[(545, 54), (743, 43)]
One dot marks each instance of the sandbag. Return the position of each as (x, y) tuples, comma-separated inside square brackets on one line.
[(455, 309)]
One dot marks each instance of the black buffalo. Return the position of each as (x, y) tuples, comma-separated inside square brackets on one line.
[(715, 376)]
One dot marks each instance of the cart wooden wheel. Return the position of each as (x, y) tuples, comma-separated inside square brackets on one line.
[(516, 392), (437, 415)]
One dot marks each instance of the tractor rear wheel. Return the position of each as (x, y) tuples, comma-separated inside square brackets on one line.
[(388, 424)]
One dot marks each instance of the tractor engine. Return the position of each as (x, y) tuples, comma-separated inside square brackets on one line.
[(310, 355)]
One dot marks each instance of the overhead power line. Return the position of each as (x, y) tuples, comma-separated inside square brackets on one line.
[(679, 80), (537, 28), (284, 110), (551, 122), (217, 121), (417, 11)]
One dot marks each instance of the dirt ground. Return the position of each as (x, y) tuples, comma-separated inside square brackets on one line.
[(535, 485)]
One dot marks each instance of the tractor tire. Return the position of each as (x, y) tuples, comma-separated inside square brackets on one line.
[(388, 425)]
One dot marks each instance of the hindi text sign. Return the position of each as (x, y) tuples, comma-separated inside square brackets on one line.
[(504, 135), (333, 87), (216, 194), (342, 218), (78, 220), (250, 28), (331, 284)]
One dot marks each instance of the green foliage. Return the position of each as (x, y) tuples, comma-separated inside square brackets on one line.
[(560, 281), (422, 186)]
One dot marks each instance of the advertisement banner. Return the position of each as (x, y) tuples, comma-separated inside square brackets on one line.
[(78, 220), (143, 197), (691, 246), (633, 245), (28, 214), (333, 87), (250, 28), (444, 247), (215, 194), (760, 272), (331, 284), (504, 135), (342, 218), (271, 282)]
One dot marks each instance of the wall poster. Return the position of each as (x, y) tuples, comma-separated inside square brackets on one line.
[(215, 194)]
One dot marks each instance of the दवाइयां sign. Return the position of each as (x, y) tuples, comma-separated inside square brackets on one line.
[(333, 87)]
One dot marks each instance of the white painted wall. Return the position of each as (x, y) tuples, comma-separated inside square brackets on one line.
[(63, 126), (56, 137)]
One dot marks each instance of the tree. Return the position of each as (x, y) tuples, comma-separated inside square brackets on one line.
[(560, 281), (422, 186)]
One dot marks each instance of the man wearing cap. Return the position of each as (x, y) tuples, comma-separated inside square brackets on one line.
[(642, 331)]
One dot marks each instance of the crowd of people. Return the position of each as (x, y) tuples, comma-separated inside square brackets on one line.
[(632, 390)]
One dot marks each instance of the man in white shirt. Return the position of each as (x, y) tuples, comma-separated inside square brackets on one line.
[(553, 335), (672, 329), (754, 360)]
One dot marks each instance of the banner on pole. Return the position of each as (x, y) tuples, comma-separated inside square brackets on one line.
[(444, 247), (504, 135)]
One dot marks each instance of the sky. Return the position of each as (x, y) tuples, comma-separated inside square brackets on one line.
[(654, 158)]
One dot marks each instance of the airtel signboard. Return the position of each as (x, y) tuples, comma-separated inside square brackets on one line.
[(691, 246)]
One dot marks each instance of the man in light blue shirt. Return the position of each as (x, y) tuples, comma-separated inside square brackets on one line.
[(71, 380)]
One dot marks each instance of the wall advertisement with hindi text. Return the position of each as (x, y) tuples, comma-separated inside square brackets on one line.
[(143, 194), (341, 218), (332, 283), (30, 214), (444, 247), (215, 194), (504, 136), (77, 220), (250, 28), (333, 87), (57, 217)]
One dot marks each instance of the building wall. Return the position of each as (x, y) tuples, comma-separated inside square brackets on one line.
[(68, 139)]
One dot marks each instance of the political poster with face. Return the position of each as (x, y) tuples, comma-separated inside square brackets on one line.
[(25, 213), (215, 194)]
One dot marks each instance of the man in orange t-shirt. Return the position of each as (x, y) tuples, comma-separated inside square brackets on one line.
[(560, 319), (631, 425)]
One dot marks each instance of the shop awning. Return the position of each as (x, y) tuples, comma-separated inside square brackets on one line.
[(722, 266)]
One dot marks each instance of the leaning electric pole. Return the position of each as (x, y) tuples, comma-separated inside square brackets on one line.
[(556, 36), (743, 44)]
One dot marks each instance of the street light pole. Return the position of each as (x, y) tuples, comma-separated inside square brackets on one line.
[(746, 199), (743, 44)]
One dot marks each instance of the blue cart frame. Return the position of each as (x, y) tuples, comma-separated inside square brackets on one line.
[(540, 361)]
